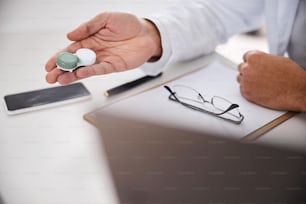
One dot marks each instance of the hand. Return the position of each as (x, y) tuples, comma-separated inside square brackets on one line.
[(273, 81), (121, 42)]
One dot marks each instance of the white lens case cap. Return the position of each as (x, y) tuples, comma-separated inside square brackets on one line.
[(86, 57)]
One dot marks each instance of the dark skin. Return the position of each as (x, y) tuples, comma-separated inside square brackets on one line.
[(122, 42)]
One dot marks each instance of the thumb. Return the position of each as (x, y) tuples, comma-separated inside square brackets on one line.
[(252, 54), (89, 28)]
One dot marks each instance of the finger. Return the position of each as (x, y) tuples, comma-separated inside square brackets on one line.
[(96, 69), (239, 78), (248, 54), (239, 66), (89, 43), (242, 67), (73, 47), (246, 94), (85, 72), (252, 54), (89, 28), (67, 78), (53, 75), (51, 63)]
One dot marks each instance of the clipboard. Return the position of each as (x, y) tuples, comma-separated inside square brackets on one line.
[(194, 66)]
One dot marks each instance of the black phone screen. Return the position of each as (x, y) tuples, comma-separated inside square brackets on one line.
[(45, 96)]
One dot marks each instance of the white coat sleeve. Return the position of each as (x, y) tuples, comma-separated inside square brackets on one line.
[(193, 28)]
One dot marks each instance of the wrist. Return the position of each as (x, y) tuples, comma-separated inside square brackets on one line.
[(154, 34), (302, 97)]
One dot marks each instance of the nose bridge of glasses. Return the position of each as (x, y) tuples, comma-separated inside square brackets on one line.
[(187, 92)]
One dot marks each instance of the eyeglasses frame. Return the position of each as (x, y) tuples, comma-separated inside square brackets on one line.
[(233, 106)]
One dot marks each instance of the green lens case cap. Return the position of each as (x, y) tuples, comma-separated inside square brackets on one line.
[(67, 61)]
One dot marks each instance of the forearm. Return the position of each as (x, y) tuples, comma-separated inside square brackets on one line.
[(196, 28), (192, 29)]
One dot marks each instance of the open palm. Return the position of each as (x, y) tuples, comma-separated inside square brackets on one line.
[(121, 42)]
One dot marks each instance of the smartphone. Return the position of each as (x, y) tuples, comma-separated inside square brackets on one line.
[(45, 98)]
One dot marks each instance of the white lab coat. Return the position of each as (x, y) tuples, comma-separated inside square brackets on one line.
[(195, 27)]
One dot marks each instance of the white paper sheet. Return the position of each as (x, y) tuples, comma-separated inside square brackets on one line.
[(215, 79)]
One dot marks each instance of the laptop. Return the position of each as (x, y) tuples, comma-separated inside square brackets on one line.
[(154, 164), (1, 201)]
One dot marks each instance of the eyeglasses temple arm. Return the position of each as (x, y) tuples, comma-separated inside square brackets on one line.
[(171, 92), (233, 106)]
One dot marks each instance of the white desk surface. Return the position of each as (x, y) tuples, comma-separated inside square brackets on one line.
[(53, 156)]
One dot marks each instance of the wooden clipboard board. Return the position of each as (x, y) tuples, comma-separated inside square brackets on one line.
[(269, 126), (252, 136)]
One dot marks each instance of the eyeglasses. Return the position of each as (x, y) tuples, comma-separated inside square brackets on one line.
[(217, 106)]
